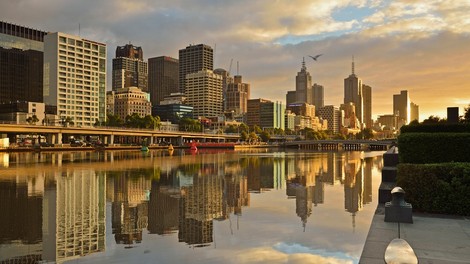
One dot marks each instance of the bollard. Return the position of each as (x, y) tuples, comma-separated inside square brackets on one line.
[(397, 210)]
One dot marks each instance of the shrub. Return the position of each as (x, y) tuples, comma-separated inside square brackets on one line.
[(434, 147), (436, 128), (436, 188)]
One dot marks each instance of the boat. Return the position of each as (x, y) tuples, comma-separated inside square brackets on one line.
[(144, 148)]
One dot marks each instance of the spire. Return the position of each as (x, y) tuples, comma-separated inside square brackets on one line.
[(353, 65), (303, 64)]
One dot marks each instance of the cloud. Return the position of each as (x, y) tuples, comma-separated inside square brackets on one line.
[(414, 45), (270, 255)]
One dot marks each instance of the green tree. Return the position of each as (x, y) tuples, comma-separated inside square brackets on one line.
[(252, 138), (32, 120), (433, 120), (114, 121), (231, 129), (466, 115), (244, 127), (244, 136), (190, 125), (134, 121), (256, 129), (152, 122), (265, 136), (366, 133)]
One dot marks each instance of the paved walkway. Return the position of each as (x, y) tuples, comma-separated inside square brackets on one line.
[(436, 239)]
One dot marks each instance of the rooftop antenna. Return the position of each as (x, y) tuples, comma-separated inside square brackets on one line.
[(353, 65), (303, 64)]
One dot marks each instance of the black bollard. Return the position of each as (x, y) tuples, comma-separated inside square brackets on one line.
[(397, 210)]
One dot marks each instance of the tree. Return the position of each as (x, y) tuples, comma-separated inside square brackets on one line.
[(432, 120), (244, 136), (134, 121), (244, 127), (190, 125), (265, 136), (256, 129), (466, 115), (114, 121), (32, 120), (366, 133), (252, 137), (152, 122)]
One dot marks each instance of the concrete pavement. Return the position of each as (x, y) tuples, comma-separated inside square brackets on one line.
[(436, 239)]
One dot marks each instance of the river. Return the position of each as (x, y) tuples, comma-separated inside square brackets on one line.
[(262, 206)]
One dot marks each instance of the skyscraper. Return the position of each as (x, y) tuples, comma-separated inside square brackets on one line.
[(163, 78), (129, 69), (414, 112), (318, 95), (361, 95), (367, 105), (21, 63), (303, 85), (204, 93), (401, 107), (75, 77), (237, 96), (194, 58)]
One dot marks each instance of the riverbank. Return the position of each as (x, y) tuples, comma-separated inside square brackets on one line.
[(434, 238), (67, 147)]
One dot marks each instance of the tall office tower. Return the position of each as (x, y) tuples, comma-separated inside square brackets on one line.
[(354, 93), (318, 94), (204, 93), (414, 112), (237, 96), (291, 97), (303, 85), (332, 115), (75, 78), (265, 114), (130, 51), (21, 63), (194, 58), (367, 105), (163, 78), (129, 69), (401, 107), (226, 80)]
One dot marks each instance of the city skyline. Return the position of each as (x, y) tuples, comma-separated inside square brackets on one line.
[(413, 46)]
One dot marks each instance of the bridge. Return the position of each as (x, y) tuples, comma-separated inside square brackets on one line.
[(340, 144), (112, 135)]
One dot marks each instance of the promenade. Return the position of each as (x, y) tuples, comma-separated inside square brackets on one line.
[(436, 239)]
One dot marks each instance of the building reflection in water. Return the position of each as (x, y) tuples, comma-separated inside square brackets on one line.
[(59, 214)]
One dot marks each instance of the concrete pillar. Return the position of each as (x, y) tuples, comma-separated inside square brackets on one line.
[(180, 141), (59, 138), (152, 139), (111, 140)]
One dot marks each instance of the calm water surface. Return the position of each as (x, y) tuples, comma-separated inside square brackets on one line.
[(205, 207)]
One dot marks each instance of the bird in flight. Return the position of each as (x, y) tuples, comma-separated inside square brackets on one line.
[(315, 57)]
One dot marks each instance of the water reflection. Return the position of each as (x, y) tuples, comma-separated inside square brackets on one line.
[(53, 205)]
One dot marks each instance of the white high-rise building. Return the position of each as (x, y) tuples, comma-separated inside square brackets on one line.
[(75, 78), (204, 93)]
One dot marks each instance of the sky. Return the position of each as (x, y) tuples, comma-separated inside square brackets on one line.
[(418, 46)]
